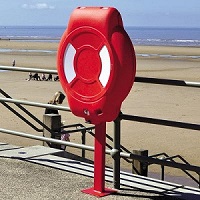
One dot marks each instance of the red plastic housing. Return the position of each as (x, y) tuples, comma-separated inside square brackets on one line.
[(96, 63)]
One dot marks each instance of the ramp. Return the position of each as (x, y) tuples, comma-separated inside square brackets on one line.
[(46, 157)]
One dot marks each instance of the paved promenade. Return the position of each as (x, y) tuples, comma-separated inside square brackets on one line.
[(39, 173)]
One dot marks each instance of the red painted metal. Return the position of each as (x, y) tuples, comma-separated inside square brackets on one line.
[(96, 63), (99, 164)]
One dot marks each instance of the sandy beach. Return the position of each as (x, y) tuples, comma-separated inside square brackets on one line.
[(156, 101)]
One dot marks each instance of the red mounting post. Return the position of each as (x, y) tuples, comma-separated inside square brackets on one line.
[(99, 163)]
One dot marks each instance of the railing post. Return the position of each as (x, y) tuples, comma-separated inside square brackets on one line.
[(162, 170), (140, 167), (83, 142), (116, 153), (53, 122), (99, 189), (199, 181)]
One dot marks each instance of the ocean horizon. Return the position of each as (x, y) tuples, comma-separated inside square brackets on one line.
[(160, 36)]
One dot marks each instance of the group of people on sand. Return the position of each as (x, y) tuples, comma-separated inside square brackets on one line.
[(43, 77)]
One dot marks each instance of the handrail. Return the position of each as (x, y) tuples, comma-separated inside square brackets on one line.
[(161, 162), (151, 121), (122, 154), (110, 147), (22, 117), (25, 111), (18, 103), (45, 139), (122, 116), (114, 152), (172, 82), (163, 122), (30, 103), (171, 158), (26, 69)]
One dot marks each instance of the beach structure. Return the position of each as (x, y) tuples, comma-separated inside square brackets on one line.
[(94, 59), (116, 152), (166, 161), (117, 124)]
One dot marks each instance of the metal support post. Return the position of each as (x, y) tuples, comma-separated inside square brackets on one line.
[(99, 189), (199, 181), (116, 156), (162, 172), (53, 122), (140, 167), (83, 142)]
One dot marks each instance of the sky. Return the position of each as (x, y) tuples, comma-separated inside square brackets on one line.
[(156, 13)]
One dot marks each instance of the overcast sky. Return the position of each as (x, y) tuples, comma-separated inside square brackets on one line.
[(182, 13)]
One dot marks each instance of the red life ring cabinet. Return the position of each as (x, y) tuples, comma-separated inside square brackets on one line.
[(96, 63)]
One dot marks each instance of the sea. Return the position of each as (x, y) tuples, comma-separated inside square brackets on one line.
[(139, 35)]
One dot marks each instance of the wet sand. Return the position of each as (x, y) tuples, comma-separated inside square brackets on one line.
[(156, 101)]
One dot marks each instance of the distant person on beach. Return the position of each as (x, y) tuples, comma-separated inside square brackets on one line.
[(30, 76), (49, 78), (36, 77), (56, 78), (13, 63), (57, 99), (43, 77)]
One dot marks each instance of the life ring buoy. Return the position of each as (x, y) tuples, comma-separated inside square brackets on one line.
[(96, 63)]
